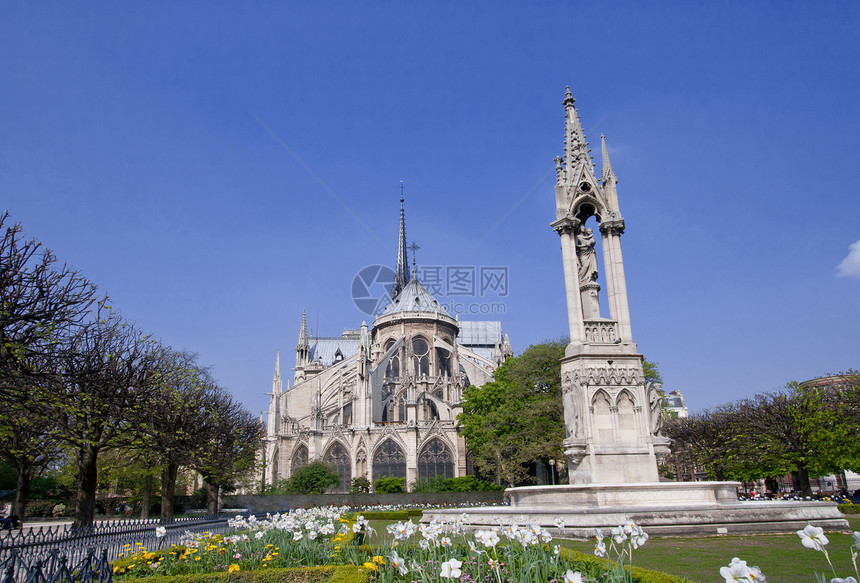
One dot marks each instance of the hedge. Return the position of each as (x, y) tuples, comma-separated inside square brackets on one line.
[(848, 508), (328, 574)]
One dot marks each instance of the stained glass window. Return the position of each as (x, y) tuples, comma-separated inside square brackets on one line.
[(434, 460), (300, 458), (389, 460), (338, 458)]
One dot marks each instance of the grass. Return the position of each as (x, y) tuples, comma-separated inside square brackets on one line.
[(781, 557)]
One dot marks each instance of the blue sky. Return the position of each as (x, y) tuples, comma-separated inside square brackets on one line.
[(218, 166)]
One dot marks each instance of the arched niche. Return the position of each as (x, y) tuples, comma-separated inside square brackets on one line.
[(626, 405), (601, 407)]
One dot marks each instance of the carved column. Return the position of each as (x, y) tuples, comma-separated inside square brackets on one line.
[(611, 231), (566, 228)]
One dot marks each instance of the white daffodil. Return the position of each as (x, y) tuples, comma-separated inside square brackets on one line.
[(758, 577), (736, 571), (398, 562), (856, 536), (559, 522), (259, 534), (160, 531), (445, 542), (297, 535), (813, 537), (571, 577), (841, 580), (618, 534), (600, 548), (424, 544), (488, 538), (451, 569)]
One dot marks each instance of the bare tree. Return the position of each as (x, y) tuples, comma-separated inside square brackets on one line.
[(39, 300), (103, 381)]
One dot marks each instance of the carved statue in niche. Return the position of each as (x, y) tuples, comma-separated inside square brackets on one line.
[(586, 255), (571, 408), (655, 400)]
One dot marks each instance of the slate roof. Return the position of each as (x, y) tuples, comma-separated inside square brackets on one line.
[(480, 334), (414, 298), (326, 348)]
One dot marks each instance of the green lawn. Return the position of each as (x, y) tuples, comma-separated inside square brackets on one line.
[(781, 557)]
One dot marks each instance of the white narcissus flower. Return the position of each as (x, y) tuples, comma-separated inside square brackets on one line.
[(571, 577), (736, 571), (259, 534), (856, 536), (600, 548), (488, 538), (297, 535), (846, 580), (445, 542), (559, 522), (813, 537), (398, 562), (758, 577), (451, 569), (424, 544), (618, 534), (160, 531)]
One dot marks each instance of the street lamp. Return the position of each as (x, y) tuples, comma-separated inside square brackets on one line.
[(552, 470)]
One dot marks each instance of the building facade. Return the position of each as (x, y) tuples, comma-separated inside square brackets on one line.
[(382, 400)]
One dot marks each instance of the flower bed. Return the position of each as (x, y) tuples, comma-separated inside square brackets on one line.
[(436, 552)]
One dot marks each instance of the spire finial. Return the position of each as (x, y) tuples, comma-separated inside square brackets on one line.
[(414, 247), (568, 98), (401, 274)]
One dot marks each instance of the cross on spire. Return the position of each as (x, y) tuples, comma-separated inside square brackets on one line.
[(414, 247)]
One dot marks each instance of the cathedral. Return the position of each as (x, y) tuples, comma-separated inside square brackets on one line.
[(382, 400)]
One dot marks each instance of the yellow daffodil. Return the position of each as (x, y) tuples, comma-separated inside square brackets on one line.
[(233, 567)]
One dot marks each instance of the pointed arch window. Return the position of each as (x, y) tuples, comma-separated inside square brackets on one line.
[(392, 371), (338, 458), (435, 460), (443, 357), (300, 458), (389, 460), (421, 357)]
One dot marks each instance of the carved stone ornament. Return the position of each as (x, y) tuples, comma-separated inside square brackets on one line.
[(571, 400), (608, 375)]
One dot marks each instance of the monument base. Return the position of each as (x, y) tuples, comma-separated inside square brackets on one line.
[(660, 508)]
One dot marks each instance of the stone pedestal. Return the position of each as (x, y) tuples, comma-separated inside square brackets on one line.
[(660, 508)]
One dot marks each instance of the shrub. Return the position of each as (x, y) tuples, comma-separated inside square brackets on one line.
[(434, 484), (471, 484), (41, 508), (313, 478), (360, 486), (848, 508), (388, 485)]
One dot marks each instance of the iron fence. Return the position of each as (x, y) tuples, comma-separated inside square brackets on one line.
[(44, 555)]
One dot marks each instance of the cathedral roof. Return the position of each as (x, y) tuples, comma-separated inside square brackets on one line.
[(414, 298)]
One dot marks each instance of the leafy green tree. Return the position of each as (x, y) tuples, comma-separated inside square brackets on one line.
[(517, 418), (809, 431), (231, 439)]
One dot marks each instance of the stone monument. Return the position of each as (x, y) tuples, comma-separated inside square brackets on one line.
[(612, 416)]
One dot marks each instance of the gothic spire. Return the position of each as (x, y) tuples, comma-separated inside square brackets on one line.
[(608, 177), (303, 334), (401, 274), (575, 146)]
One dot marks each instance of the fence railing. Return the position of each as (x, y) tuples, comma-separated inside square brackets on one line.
[(43, 555)]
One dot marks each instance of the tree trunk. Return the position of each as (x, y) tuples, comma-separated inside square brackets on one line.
[(146, 499), (22, 490), (211, 497), (803, 479), (85, 503), (168, 490)]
